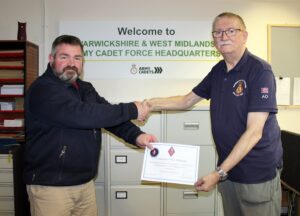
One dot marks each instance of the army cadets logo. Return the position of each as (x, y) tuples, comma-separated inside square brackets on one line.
[(239, 88)]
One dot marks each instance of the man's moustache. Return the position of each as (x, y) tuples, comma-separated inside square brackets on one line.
[(221, 43), (71, 68)]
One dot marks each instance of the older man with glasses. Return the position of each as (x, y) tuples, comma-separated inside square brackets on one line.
[(242, 93)]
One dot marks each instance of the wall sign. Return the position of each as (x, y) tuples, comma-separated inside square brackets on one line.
[(145, 49)]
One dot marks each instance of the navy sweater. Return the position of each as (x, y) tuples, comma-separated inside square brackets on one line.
[(63, 137)]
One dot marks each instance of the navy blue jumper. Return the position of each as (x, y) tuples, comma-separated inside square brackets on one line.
[(63, 130)]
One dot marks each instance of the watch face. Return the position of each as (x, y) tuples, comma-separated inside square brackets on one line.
[(222, 173), (223, 177)]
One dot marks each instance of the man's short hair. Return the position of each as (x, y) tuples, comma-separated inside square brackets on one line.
[(66, 39), (230, 15)]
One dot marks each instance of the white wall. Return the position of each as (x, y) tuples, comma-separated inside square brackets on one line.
[(43, 17)]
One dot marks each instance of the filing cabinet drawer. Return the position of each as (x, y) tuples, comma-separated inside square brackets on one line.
[(6, 176), (207, 160), (126, 165), (101, 170), (151, 126), (6, 162), (6, 204), (101, 165), (189, 127), (184, 199), (7, 213), (11, 184), (100, 196), (193, 214), (135, 200), (6, 190)]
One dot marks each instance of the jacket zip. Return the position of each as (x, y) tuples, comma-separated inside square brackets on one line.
[(63, 151), (33, 177), (95, 133), (62, 157)]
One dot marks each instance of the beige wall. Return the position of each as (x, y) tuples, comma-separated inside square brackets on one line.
[(43, 17)]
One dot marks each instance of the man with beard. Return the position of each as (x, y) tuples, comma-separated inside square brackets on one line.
[(242, 93), (63, 117)]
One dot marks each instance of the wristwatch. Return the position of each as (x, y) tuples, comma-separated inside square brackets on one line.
[(223, 175)]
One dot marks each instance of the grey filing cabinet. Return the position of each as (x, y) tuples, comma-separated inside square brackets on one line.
[(6, 185), (119, 188), (191, 127), (128, 195), (13, 197), (100, 180)]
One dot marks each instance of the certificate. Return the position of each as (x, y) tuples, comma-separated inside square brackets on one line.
[(172, 163)]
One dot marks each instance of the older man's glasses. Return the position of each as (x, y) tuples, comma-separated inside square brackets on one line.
[(229, 32)]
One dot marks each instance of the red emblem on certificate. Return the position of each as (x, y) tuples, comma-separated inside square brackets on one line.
[(171, 151)]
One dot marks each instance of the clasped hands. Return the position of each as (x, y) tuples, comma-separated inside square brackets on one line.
[(144, 108)]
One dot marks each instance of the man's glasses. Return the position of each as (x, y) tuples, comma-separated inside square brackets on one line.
[(229, 32)]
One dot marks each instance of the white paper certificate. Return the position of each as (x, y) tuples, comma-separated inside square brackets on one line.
[(173, 163)]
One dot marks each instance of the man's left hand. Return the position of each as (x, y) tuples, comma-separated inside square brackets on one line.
[(144, 140), (208, 182)]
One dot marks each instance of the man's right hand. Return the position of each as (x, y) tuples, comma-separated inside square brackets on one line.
[(143, 111)]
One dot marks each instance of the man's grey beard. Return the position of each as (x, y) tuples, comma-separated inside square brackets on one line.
[(63, 77), (67, 79)]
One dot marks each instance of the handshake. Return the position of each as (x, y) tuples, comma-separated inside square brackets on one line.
[(144, 108)]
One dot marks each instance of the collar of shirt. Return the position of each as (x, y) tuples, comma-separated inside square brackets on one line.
[(242, 61), (75, 85)]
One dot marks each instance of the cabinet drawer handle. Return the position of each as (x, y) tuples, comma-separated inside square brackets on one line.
[(191, 125), (190, 195)]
